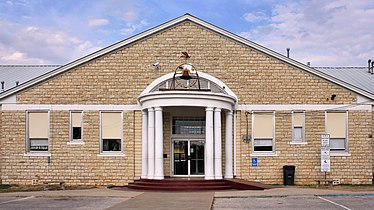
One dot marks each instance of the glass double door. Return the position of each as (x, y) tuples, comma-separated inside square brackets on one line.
[(188, 157)]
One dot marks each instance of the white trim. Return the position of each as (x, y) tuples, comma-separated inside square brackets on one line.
[(268, 154), (111, 155), (37, 154), (291, 107), (69, 107), (76, 143), (240, 107), (339, 154), (298, 143), (187, 98)]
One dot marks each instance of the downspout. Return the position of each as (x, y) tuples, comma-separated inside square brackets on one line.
[(234, 143)]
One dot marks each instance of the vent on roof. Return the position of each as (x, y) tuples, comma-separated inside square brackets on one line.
[(371, 66), (2, 86)]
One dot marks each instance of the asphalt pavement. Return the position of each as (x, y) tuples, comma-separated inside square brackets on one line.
[(276, 198)]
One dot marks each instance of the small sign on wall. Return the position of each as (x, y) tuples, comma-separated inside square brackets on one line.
[(325, 153), (254, 162)]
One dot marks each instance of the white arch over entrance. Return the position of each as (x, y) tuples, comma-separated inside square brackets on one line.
[(203, 75)]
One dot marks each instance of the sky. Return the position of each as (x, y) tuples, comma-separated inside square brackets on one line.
[(323, 32)]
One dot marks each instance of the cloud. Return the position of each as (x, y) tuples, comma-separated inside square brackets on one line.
[(21, 44), (131, 27), (97, 22), (254, 17), (325, 33)]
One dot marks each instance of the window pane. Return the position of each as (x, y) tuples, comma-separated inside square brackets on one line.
[(188, 125), (111, 144), (298, 119), (111, 125), (263, 125), (298, 134), (76, 119), (77, 133), (38, 144), (263, 145), (337, 144), (38, 125), (336, 124)]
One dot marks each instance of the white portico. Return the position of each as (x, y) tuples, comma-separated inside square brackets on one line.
[(215, 98)]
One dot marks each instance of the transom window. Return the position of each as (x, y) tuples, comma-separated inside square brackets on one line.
[(188, 125)]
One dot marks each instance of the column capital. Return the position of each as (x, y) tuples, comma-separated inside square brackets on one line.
[(209, 109), (151, 109), (229, 112), (217, 109), (157, 108)]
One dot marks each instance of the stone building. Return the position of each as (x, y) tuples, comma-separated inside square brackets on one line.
[(226, 107)]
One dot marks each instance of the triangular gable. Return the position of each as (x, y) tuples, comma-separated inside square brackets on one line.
[(176, 21)]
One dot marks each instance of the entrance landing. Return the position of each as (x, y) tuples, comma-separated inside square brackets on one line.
[(193, 185)]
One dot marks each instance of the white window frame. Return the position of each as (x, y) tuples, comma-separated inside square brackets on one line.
[(111, 153), (75, 141), (263, 153), (303, 140), (346, 150), (28, 152)]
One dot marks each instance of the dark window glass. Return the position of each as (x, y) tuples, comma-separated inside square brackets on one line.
[(111, 144), (77, 133)]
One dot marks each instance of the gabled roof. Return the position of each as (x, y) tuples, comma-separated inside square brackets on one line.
[(10, 74), (186, 17), (356, 76)]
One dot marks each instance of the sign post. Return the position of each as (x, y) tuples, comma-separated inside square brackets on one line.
[(325, 153)]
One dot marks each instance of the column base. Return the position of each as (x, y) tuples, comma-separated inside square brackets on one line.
[(229, 177), (209, 177), (158, 177), (218, 177)]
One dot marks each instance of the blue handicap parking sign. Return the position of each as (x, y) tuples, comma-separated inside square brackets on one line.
[(254, 162)]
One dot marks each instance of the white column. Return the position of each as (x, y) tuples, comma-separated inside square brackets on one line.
[(217, 144), (144, 144), (159, 144), (209, 166), (151, 143), (228, 146)]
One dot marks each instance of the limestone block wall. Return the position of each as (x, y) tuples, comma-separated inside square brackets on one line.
[(120, 76), (352, 169), (76, 164)]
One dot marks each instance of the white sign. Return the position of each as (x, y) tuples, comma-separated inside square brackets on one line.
[(325, 140), (325, 153)]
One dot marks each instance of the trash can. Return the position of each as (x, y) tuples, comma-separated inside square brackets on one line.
[(288, 175)]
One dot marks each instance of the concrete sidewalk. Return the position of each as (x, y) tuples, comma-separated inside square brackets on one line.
[(181, 200)]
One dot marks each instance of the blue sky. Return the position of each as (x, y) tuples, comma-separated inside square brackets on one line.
[(325, 33)]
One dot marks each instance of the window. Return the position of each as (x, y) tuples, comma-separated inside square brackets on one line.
[(37, 131), (188, 125), (76, 126), (111, 132), (298, 127), (336, 126), (263, 132)]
